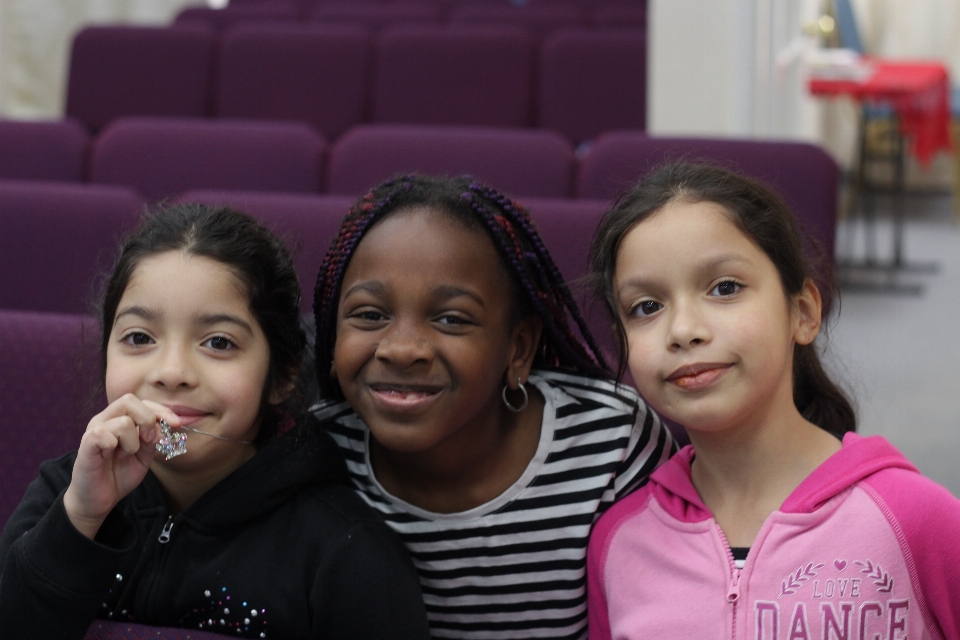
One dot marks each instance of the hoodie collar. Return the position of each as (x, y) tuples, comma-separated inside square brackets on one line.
[(859, 458)]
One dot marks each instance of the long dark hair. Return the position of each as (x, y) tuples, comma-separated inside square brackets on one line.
[(536, 284), (260, 262), (764, 218)]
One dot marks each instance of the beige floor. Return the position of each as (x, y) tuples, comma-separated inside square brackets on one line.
[(899, 354)]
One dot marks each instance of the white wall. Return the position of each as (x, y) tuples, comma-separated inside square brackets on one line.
[(35, 38), (730, 68)]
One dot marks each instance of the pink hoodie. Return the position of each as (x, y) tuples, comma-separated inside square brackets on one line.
[(864, 549)]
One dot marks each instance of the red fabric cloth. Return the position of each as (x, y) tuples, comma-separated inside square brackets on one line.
[(918, 92)]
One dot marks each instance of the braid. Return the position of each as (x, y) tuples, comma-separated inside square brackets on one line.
[(540, 286)]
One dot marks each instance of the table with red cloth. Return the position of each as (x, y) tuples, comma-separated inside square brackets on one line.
[(918, 94)]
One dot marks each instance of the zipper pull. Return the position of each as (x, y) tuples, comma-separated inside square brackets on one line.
[(165, 534), (733, 592)]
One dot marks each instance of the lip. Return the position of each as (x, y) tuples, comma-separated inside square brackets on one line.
[(187, 415), (404, 398), (695, 377)]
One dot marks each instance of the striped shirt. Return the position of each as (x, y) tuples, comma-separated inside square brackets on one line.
[(515, 567)]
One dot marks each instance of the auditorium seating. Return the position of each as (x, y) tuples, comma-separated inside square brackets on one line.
[(466, 75), (541, 19), (306, 223), (49, 365), (56, 238), (376, 15), (220, 19), (593, 81), (128, 71), (51, 150), (804, 175), (314, 74), (163, 157), (522, 162)]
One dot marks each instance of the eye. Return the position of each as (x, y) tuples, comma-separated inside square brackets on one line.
[(726, 288), (453, 320), (136, 339), (368, 315), (220, 343), (646, 308)]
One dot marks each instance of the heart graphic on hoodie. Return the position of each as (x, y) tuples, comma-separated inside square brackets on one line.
[(840, 564)]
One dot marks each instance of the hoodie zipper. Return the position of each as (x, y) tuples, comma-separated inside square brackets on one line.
[(733, 585), (164, 537)]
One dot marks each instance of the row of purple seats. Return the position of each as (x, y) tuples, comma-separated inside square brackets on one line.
[(539, 18), (163, 157), (578, 82)]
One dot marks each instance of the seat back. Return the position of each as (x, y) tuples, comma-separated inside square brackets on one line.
[(316, 74), (151, 71), (539, 19), (48, 392), (109, 630), (521, 162), (593, 81), (307, 225), (454, 76), (375, 15), (256, 13), (54, 150), (163, 157), (55, 239), (803, 174)]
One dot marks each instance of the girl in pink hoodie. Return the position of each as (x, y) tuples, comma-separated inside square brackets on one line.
[(778, 522)]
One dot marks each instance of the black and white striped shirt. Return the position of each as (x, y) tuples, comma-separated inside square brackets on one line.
[(515, 567)]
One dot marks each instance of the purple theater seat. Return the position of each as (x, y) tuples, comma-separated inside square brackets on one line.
[(107, 630), (49, 365), (567, 227), (521, 162), (307, 224), (593, 81), (541, 19), (55, 238), (162, 157), (53, 150), (220, 19), (314, 74), (127, 71), (803, 174), (376, 15), (446, 75), (621, 15)]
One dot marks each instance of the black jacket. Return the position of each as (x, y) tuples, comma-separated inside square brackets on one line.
[(281, 547)]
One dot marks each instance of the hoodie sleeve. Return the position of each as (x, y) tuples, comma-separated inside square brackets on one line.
[(53, 577), (368, 588), (926, 519)]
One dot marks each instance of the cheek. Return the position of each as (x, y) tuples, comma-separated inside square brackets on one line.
[(641, 356), (120, 378)]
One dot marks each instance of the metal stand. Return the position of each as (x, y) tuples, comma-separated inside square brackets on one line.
[(870, 273)]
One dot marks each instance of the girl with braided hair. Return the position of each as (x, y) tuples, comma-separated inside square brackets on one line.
[(471, 416)]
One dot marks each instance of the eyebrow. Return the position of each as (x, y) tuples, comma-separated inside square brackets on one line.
[(706, 265), (217, 318), (443, 291), (140, 312)]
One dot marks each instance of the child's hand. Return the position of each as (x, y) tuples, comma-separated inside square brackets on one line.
[(113, 459)]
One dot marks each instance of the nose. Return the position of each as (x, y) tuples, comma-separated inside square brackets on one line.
[(174, 367), (688, 326), (405, 344)]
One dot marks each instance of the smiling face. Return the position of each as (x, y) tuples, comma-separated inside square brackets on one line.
[(710, 331), (425, 333), (184, 336)]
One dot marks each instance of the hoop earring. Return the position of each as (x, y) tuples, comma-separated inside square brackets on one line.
[(523, 390)]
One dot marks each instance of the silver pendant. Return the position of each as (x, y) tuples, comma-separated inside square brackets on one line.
[(171, 444)]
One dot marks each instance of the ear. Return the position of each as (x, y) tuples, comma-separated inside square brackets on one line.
[(524, 340), (807, 310)]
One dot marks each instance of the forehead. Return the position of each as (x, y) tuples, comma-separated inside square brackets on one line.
[(427, 244), (682, 232), (177, 278)]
